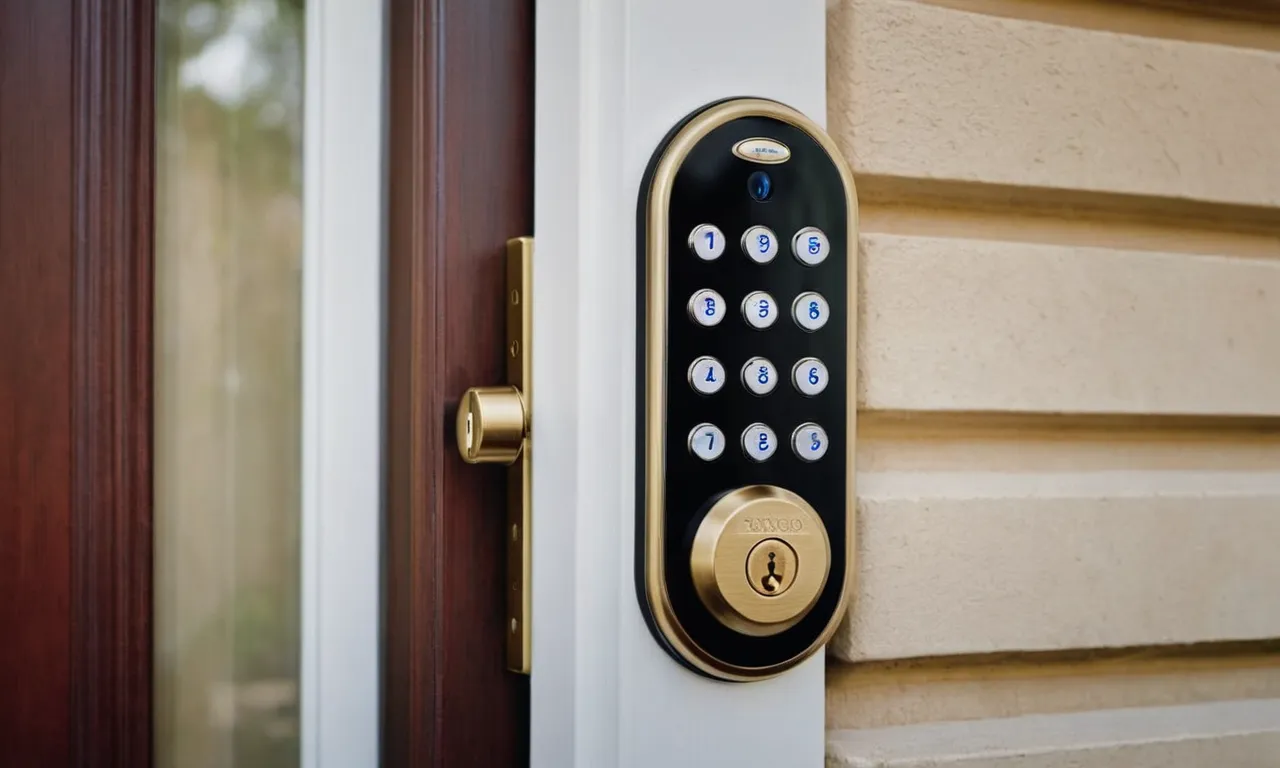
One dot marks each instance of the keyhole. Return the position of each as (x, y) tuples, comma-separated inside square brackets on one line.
[(771, 580)]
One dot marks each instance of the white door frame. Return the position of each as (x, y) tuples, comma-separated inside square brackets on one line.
[(612, 77), (342, 274)]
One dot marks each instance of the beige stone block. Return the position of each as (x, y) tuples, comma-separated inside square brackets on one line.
[(975, 325), (923, 92), (971, 563), (1233, 734), (896, 693)]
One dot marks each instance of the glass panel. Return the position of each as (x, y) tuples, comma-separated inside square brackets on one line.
[(228, 382)]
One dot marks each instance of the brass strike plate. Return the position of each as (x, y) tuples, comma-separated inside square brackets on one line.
[(494, 427), (747, 245)]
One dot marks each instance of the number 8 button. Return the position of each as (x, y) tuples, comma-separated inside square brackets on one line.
[(810, 311), (759, 376)]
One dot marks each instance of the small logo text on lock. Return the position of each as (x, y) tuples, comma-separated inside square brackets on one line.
[(772, 525)]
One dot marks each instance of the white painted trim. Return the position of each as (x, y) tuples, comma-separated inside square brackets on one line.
[(612, 77), (342, 271)]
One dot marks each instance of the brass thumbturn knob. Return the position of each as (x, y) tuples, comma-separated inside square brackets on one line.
[(491, 425), (760, 559)]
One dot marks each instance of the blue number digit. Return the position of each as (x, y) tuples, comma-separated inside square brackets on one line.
[(815, 245), (764, 441), (813, 310), (816, 442), (711, 373), (813, 375), (764, 308), (711, 241), (764, 243), (711, 307), (711, 440), (763, 375)]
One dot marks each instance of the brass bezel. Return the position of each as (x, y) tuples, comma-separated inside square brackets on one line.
[(656, 237)]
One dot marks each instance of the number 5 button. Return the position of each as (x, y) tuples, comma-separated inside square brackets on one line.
[(810, 376), (810, 311), (810, 246), (706, 441), (759, 309), (809, 441)]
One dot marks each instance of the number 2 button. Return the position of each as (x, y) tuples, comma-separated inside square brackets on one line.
[(760, 244), (706, 307), (706, 441)]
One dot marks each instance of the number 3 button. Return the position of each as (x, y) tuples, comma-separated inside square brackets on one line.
[(809, 441), (759, 376), (759, 442), (706, 307), (810, 311)]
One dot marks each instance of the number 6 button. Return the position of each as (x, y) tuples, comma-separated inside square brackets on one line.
[(810, 311), (810, 376), (809, 441)]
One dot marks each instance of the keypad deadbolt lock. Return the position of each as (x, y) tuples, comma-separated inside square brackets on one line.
[(747, 270)]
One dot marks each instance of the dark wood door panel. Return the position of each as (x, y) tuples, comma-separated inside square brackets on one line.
[(461, 183), (75, 382)]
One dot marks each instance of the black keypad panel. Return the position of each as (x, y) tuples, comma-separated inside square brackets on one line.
[(777, 329)]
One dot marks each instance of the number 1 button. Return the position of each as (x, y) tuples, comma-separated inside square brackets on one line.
[(706, 307), (706, 242), (706, 441)]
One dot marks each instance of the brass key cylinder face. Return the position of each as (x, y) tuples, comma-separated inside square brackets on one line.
[(760, 559)]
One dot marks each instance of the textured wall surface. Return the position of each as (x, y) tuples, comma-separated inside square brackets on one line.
[(1069, 457)]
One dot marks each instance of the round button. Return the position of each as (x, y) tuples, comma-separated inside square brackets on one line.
[(810, 311), (759, 442), (759, 376), (809, 441), (706, 441), (810, 376), (707, 242), (810, 246), (760, 244), (706, 307), (706, 375), (771, 567), (759, 309)]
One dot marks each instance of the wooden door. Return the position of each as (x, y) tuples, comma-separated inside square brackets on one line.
[(76, 383), (461, 183)]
